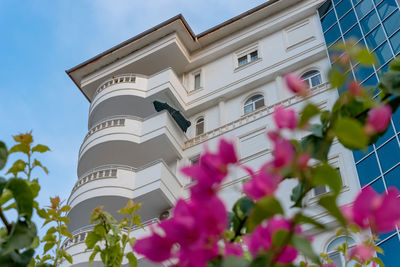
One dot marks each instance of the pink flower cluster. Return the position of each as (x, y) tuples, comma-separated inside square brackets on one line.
[(381, 213), (378, 119), (192, 234)]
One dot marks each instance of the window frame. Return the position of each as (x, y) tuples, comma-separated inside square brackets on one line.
[(196, 133), (246, 53), (308, 79), (254, 108), (333, 251)]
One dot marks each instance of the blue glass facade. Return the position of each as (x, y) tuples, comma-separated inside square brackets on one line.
[(376, 25)]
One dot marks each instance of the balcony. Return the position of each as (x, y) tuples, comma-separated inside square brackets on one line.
[(131, 141), (119, 94), (153, 185)]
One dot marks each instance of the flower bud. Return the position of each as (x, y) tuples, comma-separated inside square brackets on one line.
[(296, 84)]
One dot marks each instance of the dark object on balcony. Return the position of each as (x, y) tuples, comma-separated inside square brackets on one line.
[(178, 117)]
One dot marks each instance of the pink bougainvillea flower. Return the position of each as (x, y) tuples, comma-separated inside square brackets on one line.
[(380, 212), (261, 184), (285, 118), (233, 249), (155, 247), (302, 161), (296, 84), (328, 265), (347, 212), (260, 240), (283, 153), (362, 253), (355, 88), (378, 119)]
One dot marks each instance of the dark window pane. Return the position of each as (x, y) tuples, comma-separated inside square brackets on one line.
[(386, 235), (363, 72), (354, 33), (378, 186), (253, 55), (363, 8), (391, 248), (369, 22), (389, 154), (383, 53), (348, 21), (371, 81), (392, 178), (385, 68), (328, 20), (395, 41), (396, 120), (375, 38), (392, 23), (336, 1), (389, 133), (359, 154), (342, 8), (368, 169), (332, 35), (386, 7)]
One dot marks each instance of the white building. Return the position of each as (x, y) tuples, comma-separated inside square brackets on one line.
[(226, 81)]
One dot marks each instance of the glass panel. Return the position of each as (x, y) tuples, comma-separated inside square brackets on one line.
[(359, 154), (385, 68), (389, 154), (253, 55), (328, 20), (395, 41), (391, 248), (197, 81), (392, 23), (386, 7), (316, 80), (354, 33), (384, 236), (375, 38), (369, 22), (378, 186), (396, 120), (363, 8), (383, 53), (363, 72), (368, 169), (332, 35), (336, 258), (342, 8), (371, 81), (392, 178), (348, 21), (389, 133), (242, 60), (248, 108), (320, 190), (259, 103)]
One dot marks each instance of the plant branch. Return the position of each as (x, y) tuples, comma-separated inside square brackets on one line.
[(4, 219)]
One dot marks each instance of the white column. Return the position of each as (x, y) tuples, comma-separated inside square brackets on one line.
[(222, 112), (279, 88)]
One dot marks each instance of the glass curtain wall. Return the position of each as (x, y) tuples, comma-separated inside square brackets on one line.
[(376, 25)]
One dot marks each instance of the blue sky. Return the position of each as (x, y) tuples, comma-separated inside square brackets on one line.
[(40, 39)]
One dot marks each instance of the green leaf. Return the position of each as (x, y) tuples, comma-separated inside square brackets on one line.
[(3, 155), (260, 261), (18, 166), (280, 238), (96, 250), (329, 203), (64, 231), (132, 259), (23, 196), (336, 77), (304, 246), (309, 111), (379, 261), (21, 236), (395, 64), (130, 208), (24, 148), (302, 219), (3, 184), (298, 193), (316, 146), (91, 240), (242, 207), (350, 133), (65, 208), (40, 148), (316, 129), (39, 164), (231, 261), (390, 83), (48, 246), (42, 213), (365, 57), (265, 208), (66, 256), (325, 174)]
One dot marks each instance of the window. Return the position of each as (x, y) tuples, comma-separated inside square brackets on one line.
[(322, 189), (197, 81), (200, 126), (253, 103), (312, 78), (194, 160), (247, 57), (336, 256)]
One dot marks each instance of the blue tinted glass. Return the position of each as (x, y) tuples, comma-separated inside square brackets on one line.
[(369, 22), (392, 23), (391, 248), (395, 41), (328, 20), (363, 72), (368, 169), (385, 68), (363, 8), (332, 35), (359, 154), (389, 154), (383, 53), (389, 133), (375, 38), (371, 81), (386, 7), (354, 33), (378, 186), (384, 236), (348, 21), (392, 178), (396, 120), (342, 8)]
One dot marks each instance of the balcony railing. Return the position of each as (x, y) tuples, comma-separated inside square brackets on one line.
[(96, 175), (124, 78), (105, 124), (261, 112)]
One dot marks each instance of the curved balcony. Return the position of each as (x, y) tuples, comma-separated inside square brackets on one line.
[(163, 85), (131, 141), (153, 185)]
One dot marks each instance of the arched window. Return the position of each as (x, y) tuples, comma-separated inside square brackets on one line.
[(199, 126), (336, 256), (253, 103), (312, 78)]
